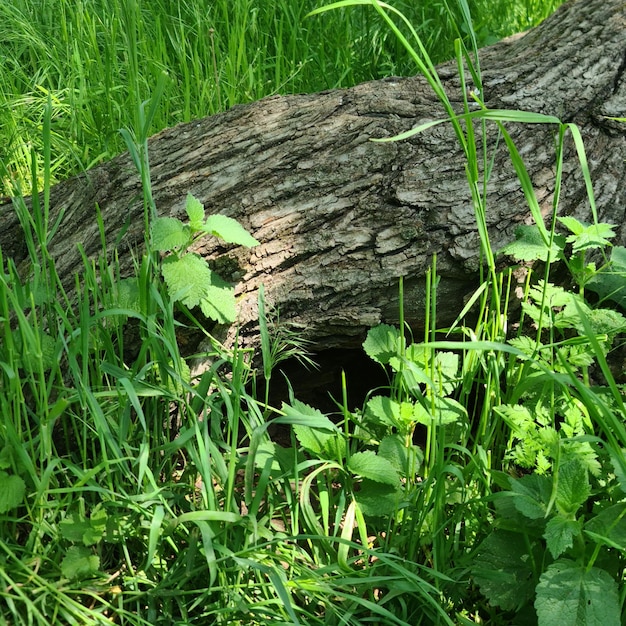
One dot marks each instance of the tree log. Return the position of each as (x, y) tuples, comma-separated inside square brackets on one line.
[(341, 218)]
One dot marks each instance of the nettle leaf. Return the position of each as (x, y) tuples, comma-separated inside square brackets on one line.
[(394, 449), (195, 212), (87, 531), (530, 246), (560, 533), (127, 294), (79, 562), (386, 411), (169, 233), (502, 569), (12, 491), (442, 412), (314, 431), (569, 593), (532, 494), (609, 526), (378, 499), (219, 301), (369, 465), (187, 278), (229, 230), (573, 488), (382, 343), (587, 236)]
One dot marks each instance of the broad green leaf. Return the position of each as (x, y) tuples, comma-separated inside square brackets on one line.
[(532, 494), (187, 278), (219, 302), (382, 343), (573, 488), (503, 571), (79, 562), (300, 413), (321, 443), (587, 236), (378, 499), (127, 294), (229, 230), (609, 526), (443, 411), (369, 465), (529, 245), (569, 593), (384, 410), (168, 233), (560, 533), (87, 531), (12, 490), (195, 212), (315, 432), (393, 448)]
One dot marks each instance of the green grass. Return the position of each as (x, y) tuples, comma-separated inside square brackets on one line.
[(97, 60), (485, 484)]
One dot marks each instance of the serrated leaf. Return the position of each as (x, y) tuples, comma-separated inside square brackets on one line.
[(85, 530), (587, 236), (560, 533), (187, 278), (569, 593), (502, 570), (382, 343), (315, 432), (442, 411), (532, 494), (168, 233), (79, 562), (195, 212), (377, 499), (384, 410), (369, 465), (127, 294), (530, 246), (12, 491), (229, 230), (219, 302), (573, 488), (393, 448), (322, 444)]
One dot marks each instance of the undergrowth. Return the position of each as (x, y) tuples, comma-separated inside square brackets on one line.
[(485, 484)]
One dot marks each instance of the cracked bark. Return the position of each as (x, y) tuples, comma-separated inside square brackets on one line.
[(341, 218)]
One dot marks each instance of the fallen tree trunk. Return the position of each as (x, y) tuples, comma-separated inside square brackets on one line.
[(341, 218)]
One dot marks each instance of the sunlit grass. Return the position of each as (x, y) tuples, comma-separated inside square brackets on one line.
[(97, 60)]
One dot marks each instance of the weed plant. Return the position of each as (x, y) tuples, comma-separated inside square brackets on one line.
[(484, 485), (96, 59)]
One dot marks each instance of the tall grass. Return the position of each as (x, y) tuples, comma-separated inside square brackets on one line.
[(96, 60), (131, 493)]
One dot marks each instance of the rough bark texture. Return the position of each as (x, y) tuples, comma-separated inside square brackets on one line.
[(339, 217)]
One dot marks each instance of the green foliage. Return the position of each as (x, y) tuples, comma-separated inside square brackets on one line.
[(571, 594), (187, 275)]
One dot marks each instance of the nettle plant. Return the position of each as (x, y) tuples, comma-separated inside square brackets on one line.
[(188, 277), (560, 531)]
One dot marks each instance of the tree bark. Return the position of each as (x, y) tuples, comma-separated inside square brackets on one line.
[(341, 218)]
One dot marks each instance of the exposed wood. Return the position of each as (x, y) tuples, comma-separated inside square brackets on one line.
[(339, 217)]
